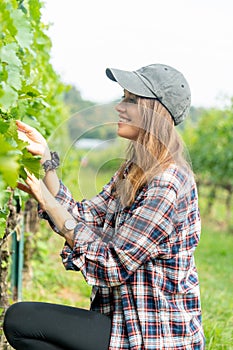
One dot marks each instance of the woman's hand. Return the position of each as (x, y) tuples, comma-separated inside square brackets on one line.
[(37, 143), (57, 213), (35, 187)]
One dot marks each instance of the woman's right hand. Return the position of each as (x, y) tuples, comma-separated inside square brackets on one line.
[(37, 143)]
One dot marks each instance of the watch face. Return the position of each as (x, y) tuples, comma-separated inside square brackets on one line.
[(70, 224)]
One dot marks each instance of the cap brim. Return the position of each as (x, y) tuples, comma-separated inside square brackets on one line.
[(129, 81)]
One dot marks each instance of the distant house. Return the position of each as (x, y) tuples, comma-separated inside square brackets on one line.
[(86, 143)]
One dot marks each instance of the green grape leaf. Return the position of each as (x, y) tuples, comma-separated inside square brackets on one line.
[(9, 97), (8, 54), (3, 75), (31, 163), (22, 173), (12, 129), (4, 198), (4, 126), (9, 165), (2, 227), (35, 6), (24, 35), (29, 91), (9, 168), (14, 77)]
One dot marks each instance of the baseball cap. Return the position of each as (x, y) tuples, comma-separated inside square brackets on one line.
[(158, 81)]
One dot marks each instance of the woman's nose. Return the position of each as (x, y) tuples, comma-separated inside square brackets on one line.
[(120, 107)]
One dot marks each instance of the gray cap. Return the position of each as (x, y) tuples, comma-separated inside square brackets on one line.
[(159, 81)]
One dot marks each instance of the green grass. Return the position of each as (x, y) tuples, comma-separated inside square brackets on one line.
[(51, 282), (214, 260)]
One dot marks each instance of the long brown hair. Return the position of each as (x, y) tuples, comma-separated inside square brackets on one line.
[(157, 147)]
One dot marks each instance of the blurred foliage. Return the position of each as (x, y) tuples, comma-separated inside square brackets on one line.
[(89, 120), (210, 144)]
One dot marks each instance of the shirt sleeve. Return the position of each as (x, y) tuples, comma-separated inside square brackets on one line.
[(92, 211), (136, 240)]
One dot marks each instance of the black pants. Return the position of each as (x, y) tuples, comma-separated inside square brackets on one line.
[(45, 326)]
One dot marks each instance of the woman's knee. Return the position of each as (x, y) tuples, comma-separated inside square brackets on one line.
[(11, 314), (10, 322), (15, 318)]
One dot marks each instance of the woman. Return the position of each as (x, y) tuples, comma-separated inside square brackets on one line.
[(134, 242)]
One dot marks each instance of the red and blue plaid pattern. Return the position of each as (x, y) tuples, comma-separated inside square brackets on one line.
[(140, 262)]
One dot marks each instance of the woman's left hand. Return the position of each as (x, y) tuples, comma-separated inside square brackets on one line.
[(34, 187)]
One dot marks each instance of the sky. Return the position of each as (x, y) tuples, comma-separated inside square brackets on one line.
[(193, 36)]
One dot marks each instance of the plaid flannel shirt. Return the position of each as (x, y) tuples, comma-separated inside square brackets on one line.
[(140, 262)]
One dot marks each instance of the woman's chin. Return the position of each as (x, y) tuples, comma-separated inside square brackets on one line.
[(127, 132)]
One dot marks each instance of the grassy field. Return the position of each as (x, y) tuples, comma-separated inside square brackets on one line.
[(50, 282), (214, 260)]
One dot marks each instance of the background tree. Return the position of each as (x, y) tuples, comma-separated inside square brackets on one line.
[(88, 119), (210, 144)]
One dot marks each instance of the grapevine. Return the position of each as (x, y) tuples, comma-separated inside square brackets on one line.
[(30, 90)]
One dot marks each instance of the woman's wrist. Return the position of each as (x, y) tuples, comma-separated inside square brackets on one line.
[(49, 202), (59, 215), (46, 156), (53, 163)]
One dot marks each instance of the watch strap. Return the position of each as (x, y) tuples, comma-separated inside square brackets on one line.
[(53, 163)]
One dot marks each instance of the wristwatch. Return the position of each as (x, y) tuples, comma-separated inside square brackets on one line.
[(69, 225), (53, 163)]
